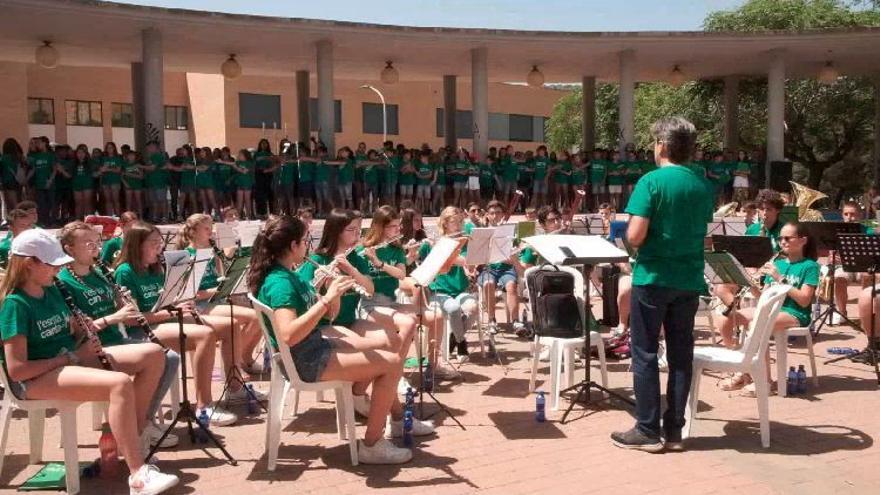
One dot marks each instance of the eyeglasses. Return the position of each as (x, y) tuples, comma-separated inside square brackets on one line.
[(552, 219), (93, 245), (789, 238)]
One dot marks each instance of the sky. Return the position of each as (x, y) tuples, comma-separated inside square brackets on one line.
[(543, 15)]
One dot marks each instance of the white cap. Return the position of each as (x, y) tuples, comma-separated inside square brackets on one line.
[(41, 245)]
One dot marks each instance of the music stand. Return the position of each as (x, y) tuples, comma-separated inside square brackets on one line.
[(231, 286), (861, 253), (751, 251), (825, 235), (723, 268), (490, 245), (586, 252), (180, 282)]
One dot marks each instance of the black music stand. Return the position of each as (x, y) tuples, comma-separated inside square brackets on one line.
[(724, 268), (174, 293), (826, 234), (751, 251), (861, 253), (231, 286)]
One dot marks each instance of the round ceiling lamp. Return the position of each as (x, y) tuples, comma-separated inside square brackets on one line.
[(828, 74), (231, 69), (389, 74), (677, 78), (535, 77), (47, 56)]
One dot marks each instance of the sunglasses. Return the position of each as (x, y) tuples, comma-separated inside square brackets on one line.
[(789, 238)]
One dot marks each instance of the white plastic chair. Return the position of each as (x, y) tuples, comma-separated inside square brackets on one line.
[(36, 410), (562, 350), (780, 337), (280, 385), (750, 358)]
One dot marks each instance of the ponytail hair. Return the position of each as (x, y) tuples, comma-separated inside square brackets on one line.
[(273, 243), (185, 235)]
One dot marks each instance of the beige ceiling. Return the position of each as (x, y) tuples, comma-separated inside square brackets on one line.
[(90, 33)]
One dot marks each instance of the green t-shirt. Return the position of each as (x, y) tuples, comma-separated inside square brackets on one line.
[(392, 168), (407, 178), (679, 205), (721, 170), (287, 172), (540, 167), (383, 282), (94, 297), (633, 171), (563, 171), (322, 172), (44, 322), (349, 301), (487, 176), (205, 177), (245, 180), (451, 283), (42, 164), (112, 168), (210, 278), (5, 246), (263, 159), (802, 272), (774, 233), (461, 171), (110, 249), (222, 176), (134, 183), (346, 172), (307, 171), (425, 173), (598, 168), (616, 173), (144, 286), (529, 256), (82, 176), (371, 174), (157, 179), (188, 174), (509, 169), (283, 288), (578, 175), (8, 169)]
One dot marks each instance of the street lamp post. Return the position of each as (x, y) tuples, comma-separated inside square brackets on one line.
[(384, 113)]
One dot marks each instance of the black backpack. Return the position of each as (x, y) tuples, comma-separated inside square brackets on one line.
[(556, 312)]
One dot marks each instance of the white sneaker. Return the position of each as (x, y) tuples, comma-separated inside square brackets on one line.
[(837, 319), (382, 452), (403, 385), (618, 330), (148, 480), (394, 429), (492, 327), (219, 416), (362, 404), (154, 433), (241, 395)]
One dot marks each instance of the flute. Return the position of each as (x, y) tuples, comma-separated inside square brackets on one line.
[(388, 242), (774, 258), (126, 299), (332, 273), (83, 321)]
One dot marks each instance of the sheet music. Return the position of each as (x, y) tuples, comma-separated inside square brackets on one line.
[(176, 264), (479, 246), (248, 232), (443, 249), (225, 235), (502, 243), (582, 246), (202, 258)]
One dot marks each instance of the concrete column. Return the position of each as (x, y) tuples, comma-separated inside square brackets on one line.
[(449, 110), (731, 115), (326, 113), (302, 106), (626, 97), (775, 109), (588, 113), (153, 68), (480, 99)]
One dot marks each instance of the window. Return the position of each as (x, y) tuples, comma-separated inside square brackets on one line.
[(373, 118), (176, 118), (521, 127), (86, 113), (41, 111), (123, 115), (256, 111), (337, 115), (464, 124)]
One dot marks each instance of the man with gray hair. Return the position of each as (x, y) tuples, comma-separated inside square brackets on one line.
[(670, 209)]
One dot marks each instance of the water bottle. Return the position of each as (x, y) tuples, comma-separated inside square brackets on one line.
[(410, 399), (801, 380), (109, 463), (428, 379), (251, 399), (203, 420), (791, 383), (407, 428), (540, 404)]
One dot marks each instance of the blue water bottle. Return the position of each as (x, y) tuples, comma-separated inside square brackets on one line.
[(410, 399), (203, 420), (801, 380), (428, 379), (407, 428), (540, 404), (251, 399), (791, 382)]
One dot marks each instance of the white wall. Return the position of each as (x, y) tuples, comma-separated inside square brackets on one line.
[(93, 137), (175, 139), (123, 135), (37, 130)]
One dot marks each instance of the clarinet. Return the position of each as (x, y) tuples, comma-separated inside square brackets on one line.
[(83, 321), (126, 299), (219, 253)]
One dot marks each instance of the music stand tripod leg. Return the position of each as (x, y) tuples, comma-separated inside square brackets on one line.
[(233, 374)]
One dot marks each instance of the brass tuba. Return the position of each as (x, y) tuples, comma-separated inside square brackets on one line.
[(804, 197), (726, 210)]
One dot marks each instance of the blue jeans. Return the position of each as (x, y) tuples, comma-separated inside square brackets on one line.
[(45, 204), (460, 310), (674, 310)]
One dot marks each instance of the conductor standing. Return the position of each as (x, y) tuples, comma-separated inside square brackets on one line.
[(670, 209)]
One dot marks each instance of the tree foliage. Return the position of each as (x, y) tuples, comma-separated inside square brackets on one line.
[(828, 127)]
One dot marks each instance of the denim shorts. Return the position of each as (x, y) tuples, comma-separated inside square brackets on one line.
[(406, 189), (499, 277), (158, 194), (310, 356), (539, 187), (459, 186)]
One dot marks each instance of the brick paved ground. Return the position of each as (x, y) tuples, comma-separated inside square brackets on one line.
[(821, 443)]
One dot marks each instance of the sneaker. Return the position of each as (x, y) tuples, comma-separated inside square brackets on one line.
[(672, 441), (219, 416), (148, 480), (394, 429), (382, 452), (522, 331), (362, 405), (154, 433), (255, 368), (492, 327), (837, 319), (618, 330), (634, 439), (518, 327), (445, 372), (241, 395), (402, 386)]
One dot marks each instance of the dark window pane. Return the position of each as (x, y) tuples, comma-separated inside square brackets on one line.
[(521, 127), (41, 111), (256, 111), (372, 118)]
